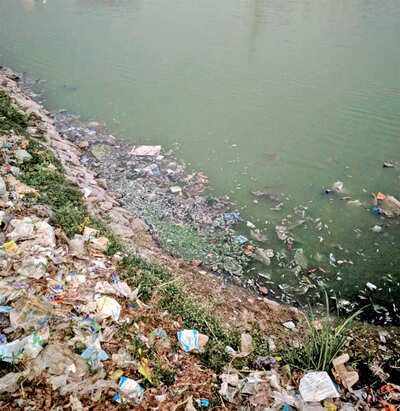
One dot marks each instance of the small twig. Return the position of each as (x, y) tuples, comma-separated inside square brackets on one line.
[(181, 403), (168, 282), (210, 329)]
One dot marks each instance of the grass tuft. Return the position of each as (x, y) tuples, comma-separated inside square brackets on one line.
[(325, 341), (10, 117)]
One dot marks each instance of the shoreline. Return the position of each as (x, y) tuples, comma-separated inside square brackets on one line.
[(190, 225), (236, 307)]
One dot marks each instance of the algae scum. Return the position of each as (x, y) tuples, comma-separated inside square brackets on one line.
[(279, 100)]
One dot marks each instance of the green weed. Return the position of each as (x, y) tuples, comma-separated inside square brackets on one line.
[(324, 342), (10, 117)]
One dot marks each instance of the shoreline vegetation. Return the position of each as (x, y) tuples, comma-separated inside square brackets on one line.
[(85, 249)]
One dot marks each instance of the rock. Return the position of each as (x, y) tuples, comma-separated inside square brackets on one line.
[(106, 206), (83, 144), (22, 156), (102, 183), (138, 225), (263, 290), (121, 230), (20, 187), (42, 210)]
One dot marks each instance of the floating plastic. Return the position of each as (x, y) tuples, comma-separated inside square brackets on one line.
[(240, 239)]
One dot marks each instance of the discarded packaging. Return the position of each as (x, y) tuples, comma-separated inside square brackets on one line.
[(30, 312), (108, 307), (246, 342), (129, 389), (28, 347), (317, 386), (94, 355), (146, 150), (348, 376), (192, 340)]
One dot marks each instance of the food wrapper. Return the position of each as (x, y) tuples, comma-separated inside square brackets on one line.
[(129, 389), (109, 307), (192, 340)]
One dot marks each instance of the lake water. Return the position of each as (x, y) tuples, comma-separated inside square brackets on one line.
[(284, 96)]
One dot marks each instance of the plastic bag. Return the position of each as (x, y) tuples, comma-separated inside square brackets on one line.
[(30, 313), (129, 389), (108, 307), (317, 386), (94, 355), (28, 347), (192, 340), (59, 361)]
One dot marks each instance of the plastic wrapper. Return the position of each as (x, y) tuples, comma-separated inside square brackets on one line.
[(58, 360), (28, 347), (94, 355), (9, 383), (192, 340), (32, 312), (108, 307), (129, 390), (317, 386)]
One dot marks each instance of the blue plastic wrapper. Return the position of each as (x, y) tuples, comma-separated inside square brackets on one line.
[(130, 389), (189, 340)]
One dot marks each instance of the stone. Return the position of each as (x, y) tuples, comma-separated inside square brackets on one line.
[(106, 206), (122, 231), (83, 144), (20, 187)]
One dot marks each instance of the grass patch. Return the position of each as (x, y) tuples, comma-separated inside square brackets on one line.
[(45, 173), (10, 117), (324, 341), (135, 271), (171, 297)]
